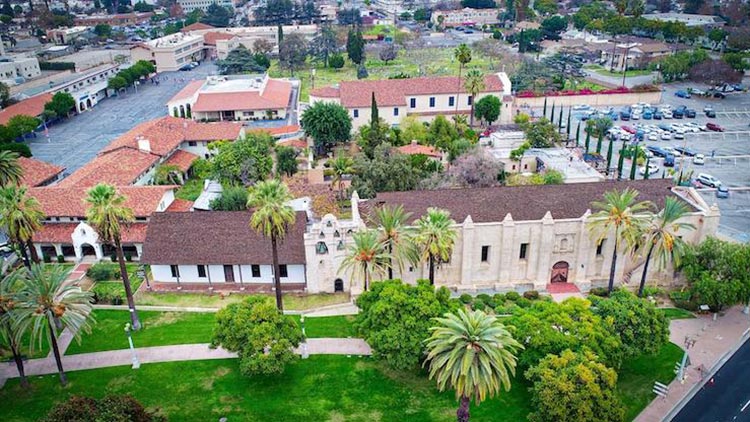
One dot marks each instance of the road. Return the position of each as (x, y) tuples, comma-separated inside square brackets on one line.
[(727, 399)]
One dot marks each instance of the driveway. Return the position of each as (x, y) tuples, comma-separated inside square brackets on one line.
[(77, 140), (630, 81)]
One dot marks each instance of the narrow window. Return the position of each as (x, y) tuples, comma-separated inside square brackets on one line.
[(395, 111), (524, 247), (201, 271), (432, 102), (470, 99), (174, 270), (413, 103), (321, 248), (255, 270), (599, 247), (485, 253), (282, 271), (356, 113), (451, 101)]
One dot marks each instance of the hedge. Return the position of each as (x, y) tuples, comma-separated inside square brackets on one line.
[(57, 66), (22, 149)]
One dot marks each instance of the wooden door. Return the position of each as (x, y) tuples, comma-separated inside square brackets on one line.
[(229, 273)]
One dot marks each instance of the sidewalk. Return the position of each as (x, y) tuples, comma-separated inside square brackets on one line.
[(182, 352), (713, 339)]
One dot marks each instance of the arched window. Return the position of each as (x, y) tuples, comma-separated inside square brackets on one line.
[(341, 245), (564, 244), (321, 248)]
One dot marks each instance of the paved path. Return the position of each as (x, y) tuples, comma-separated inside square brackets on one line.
[(713, 339), (183, 352)]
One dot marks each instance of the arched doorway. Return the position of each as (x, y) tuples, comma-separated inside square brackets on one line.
[(182, 111), (338, 285), (87, 250), (88, 103), (82, 106), (560, 272)]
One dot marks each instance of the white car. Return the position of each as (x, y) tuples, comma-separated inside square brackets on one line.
[(697, 91), (708, 180), (652, 168), (679, 135), (653, 136), (581, 107), (635, 116), (672, 151), (699, 159), (666, 136), (667, 114)]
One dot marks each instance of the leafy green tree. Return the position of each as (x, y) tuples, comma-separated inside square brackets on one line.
[(107, 213), (721, 266), (643, 329), (108, 408), (542, 134), (413, 130), (366, 256), (472, 353), (103, 30), (217, 16), (286, 160), (376, 174), (60, 104), (21, 124), (546, 7), (422, 14), (550, 328), (488, 109), (478, 4), (262, 335), (117, 83), (245, 161), (355, 46), (462, 54), (618, 212), (474, 84), (336, 61), (10, 168), (574, 387), (664, 237), (324, 45), (9, 333), (441, 133), (271, 217), (293, 52), (233, 198), (717, 294), (349, 16), (20, 217), (553, 25), (48, 304), (4, 95), (435, 237), (341, 166), (736, 61), (395, 235), (716, 36), (328, 124), (395, 319), (240, 60)]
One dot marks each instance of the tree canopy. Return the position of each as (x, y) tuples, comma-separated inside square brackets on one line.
[(245, 161), (377, 174), (488, 108), (60, 104), (293, 52), (241, 60), (218, 16), (542, 134), (328, 124)]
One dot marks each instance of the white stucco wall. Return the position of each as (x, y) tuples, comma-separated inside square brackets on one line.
[(189, 274)]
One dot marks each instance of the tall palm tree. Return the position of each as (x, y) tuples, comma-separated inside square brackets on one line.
[(271, 217), (366, 256), (48, 305), (435, 237), (9, 286), (341, 165), (106, 213), (20, 216), (662, 238), (474, 84), (10, 169), (462, 53), (395, 236), (472, 353), (620, 212)]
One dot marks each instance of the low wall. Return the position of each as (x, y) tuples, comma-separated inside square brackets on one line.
[(593, 100)]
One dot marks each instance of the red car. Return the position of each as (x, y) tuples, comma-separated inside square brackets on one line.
[(629, 129), (714, 127)]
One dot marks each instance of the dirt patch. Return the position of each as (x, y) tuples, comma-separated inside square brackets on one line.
[(166, 318), (208, 382), (121, 383)]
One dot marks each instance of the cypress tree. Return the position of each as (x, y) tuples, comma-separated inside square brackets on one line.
[(568, 125), (374, 112), (599, 144), (646, 173), (280, 33), (544, 109), (588, 139), (552, 114), (621, 161), (559, 119), (609, 155), (633, 164), (578, 134)]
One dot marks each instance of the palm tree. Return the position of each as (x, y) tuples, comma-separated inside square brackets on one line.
[(619, 211), (395, 236), (435, 237), (48, 305), (366, 256), (462, 53), (341, 166), (10, 169), (20, 217), (8, 313), (662, 237), (106, 214), (472, 353), (474, 84), (271, 217)]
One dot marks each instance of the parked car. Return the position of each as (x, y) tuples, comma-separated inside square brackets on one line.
[(581, 107), (667, 114), (690, 113), (708, 180), (629, 130), (697, 91), (685, 151), (657, 151), (658, 115), (648, 115), (625, 115), (722, 192), (672, 151), (682, 94), (669, 160), (699, 159), (720, 95), (714, 127), (652, 168), (186, 68)]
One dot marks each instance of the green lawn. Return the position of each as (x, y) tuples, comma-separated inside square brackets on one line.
[(292, 301), (333, 326), (38, 352), (677, 313), (637, 376), (433, 61), (322, 388), (159, 329), (190, 190)]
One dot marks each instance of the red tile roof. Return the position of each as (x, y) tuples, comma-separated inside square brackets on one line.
[(120, 168), (326, 92), (33, 107), (196, 27), (36, 173), (294, 143), (275, 95), (277, 131), (393, 92), (414, 148), (189, 90), (182, 159), (62, 233), (69, 201), (210, 38), (180, 205)]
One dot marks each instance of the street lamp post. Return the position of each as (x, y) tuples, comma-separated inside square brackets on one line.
[(305, 355), (134, 359)]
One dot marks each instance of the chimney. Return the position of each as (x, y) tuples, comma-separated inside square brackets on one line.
[(144, 144)]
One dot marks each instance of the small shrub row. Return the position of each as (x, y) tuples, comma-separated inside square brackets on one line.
[(684, 299), (103, 271), (108, 298), (501, 303)]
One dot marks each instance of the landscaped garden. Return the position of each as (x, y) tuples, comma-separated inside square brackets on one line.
[(292, 301), (108, 286)]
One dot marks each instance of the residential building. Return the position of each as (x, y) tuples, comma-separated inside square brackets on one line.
[(119, 19), (190, 5), (66, 35), (170, 52), (231, 38), (233, 98), (17, 69), (39, 173), (637, 55), (424, 97), (465, 16), (33, 107), (703, 21)]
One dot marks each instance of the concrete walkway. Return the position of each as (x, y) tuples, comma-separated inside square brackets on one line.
[(713, 341), (182, 352)]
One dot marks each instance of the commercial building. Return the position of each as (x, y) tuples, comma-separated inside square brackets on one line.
[(703, 21), (233, 98), (424, 97), (190, 5), (119, 19), (218, 42), (465, 16), (17, 69), (170, 52)]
